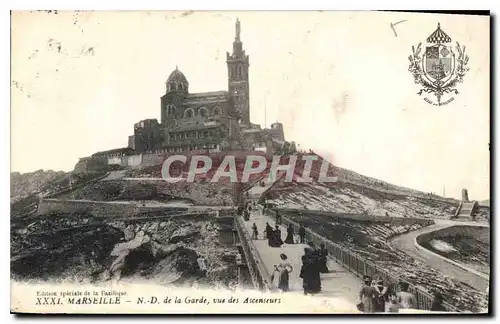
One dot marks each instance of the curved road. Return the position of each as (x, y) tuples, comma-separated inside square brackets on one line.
[(406, 243)]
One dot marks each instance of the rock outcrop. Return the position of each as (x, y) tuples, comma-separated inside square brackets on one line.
[(84, 249)]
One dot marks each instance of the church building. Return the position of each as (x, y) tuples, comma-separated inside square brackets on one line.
[(215, 121)]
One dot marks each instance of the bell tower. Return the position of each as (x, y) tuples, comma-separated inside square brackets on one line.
[(238, 86)]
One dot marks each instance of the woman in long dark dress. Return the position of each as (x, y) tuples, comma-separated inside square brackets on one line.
[(276, 240), (309, 273), (268, 231), (270, 236), (323, 256), (316, 277), (289, 235)]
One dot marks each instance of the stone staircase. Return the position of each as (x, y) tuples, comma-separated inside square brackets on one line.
[(466, 211)]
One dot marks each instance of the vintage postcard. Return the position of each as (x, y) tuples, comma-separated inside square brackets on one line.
[(319, 162)]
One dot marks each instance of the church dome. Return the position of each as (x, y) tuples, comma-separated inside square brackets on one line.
[(177, 81), (177, 75)]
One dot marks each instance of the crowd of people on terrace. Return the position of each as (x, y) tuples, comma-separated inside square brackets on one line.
[(375, 295)]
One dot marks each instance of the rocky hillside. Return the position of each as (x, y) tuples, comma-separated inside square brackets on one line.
[(48, 184), (32, 182), (356, 193), (81, 248), (201, 192), (485, 203), (345, 197)]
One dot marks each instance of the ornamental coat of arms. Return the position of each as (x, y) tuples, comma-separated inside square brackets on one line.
[(439, 69)]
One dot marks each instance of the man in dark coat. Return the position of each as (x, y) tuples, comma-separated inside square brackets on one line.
[(302, 234), (305, 272)]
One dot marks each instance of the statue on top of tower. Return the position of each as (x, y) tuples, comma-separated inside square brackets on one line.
[(238, 29)]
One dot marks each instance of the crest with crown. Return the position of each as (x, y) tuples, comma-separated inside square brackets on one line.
[(439, 69)]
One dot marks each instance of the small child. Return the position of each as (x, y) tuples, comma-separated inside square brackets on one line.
[(392, 306)]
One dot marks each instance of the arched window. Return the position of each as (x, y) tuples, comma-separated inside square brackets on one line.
[(188, 113), (240, 71), (170, 109), (181, 86), (202, 112), (217, 111)]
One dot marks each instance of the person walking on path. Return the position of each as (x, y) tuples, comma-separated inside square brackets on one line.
[(255, 232), (302, 234), (405, 298), (278, 218), (276, 240), (283, 269), (311, 280), (268, 231), (323, 257), (367, 295), (306, 272), (289, 235), (381, 295)]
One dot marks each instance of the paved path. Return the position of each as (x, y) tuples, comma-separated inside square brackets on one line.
[(338, 283), (115, 175), (406, 242), (256, 190)]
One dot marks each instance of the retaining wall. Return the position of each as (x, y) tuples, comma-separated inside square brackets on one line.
[(359, 217), (119, 209), (99, 209), (76, 186)]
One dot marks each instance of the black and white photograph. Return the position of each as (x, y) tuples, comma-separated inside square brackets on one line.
[(250, 162)]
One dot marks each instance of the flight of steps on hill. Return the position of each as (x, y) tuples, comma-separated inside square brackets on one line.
[(466, 210)]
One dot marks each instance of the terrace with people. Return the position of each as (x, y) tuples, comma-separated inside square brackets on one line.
[(370, 238)]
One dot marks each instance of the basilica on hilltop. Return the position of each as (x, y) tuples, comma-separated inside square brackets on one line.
[(217, 120)]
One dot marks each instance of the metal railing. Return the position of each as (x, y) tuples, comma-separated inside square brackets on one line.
[(360, 267), (261, 277)]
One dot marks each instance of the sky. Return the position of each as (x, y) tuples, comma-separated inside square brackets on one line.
[(338, 81)]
